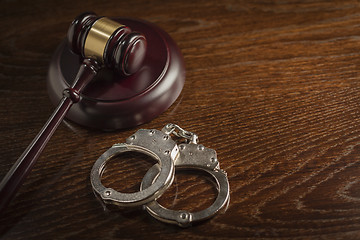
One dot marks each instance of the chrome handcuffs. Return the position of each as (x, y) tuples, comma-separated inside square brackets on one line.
[(160, 146)]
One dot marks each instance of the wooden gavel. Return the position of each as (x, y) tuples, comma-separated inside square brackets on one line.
[(101, 42)]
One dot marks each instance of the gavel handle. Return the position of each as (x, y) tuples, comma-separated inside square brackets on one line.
[(22, 167)]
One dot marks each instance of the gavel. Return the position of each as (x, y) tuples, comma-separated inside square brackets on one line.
[(101, 42)]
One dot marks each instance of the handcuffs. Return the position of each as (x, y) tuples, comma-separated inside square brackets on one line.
[(170, 156)]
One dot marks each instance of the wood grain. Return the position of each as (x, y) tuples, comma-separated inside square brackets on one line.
[(272, 86)]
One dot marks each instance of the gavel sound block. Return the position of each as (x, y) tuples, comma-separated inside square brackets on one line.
[(106, 75), (112, 100)]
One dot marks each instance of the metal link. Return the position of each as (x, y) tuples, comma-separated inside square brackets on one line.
[(172, 128)]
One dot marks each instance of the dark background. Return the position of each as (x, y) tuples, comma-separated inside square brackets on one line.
[(272, 86)]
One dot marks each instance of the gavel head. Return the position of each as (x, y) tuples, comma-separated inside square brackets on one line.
[(108, 42)]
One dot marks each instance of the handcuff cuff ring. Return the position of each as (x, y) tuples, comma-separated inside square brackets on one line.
[(192, 156), (154, 143)]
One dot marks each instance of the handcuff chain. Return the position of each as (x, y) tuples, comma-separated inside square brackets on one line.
[(172, 128)]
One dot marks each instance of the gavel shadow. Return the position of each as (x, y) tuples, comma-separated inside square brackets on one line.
[(49, 190), (18, 209)]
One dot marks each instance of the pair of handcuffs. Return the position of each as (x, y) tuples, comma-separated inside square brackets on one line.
[(170, 155)]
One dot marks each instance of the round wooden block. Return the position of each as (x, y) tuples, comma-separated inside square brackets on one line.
[(112, 101)]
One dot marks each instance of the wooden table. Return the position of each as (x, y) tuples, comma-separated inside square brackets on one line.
[(273, 87)]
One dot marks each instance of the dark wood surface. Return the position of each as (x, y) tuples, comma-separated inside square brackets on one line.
[(273, 87)]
